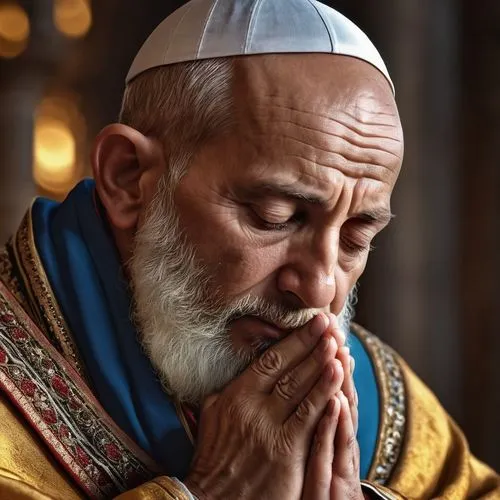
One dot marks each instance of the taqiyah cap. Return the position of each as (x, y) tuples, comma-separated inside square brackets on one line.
[(204, 29)]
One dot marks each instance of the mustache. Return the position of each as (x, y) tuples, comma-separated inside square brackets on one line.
[(279, 315)]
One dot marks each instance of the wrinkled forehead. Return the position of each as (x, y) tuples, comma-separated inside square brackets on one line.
[(320, 95), (317, 81)]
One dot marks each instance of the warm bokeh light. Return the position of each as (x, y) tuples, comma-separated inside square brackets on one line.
[(73, 18), (59, 143), (54, 154), (14, 23), (14, 30)]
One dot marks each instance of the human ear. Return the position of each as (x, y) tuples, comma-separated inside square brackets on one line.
[(122, 159)]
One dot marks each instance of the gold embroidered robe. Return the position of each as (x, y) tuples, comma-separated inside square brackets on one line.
[(57, 442)]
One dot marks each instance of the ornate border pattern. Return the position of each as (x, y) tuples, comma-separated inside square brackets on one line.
[(42, 297), (54, 400), (392, 403), (45, 307), (8, 276), (71, 426)]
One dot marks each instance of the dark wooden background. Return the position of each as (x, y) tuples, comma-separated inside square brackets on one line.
[(432, 285)]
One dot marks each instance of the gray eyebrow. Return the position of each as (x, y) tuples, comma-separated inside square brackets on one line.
[(268, 188), (379, 215)]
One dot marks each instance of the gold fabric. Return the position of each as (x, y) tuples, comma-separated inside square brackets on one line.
[(435, 461), (431, 458), (161, 488), (392, 401), (44, 309), (27, 470)]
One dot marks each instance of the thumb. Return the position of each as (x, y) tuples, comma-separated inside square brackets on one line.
[(210, 401)]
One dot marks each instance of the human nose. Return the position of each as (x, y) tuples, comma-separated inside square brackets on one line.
[(309, 275)]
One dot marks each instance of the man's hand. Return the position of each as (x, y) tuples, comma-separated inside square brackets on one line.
[(255, 436), (333, 468)]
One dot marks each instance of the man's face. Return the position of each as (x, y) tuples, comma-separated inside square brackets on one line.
[(277, 216), (286, 207)]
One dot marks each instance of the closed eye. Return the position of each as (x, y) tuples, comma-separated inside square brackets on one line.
[(265, 223), (356, 236), (355, 248)]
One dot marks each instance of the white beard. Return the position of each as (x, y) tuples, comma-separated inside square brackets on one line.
[(183, 324)]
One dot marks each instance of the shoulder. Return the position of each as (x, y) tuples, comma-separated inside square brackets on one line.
[(380, 383), (25, 460), (420, 451), (56, 408)]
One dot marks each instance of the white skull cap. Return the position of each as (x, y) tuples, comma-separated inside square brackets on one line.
[(204, 29)]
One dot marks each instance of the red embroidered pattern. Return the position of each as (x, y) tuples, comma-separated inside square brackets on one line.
[(39, 384)]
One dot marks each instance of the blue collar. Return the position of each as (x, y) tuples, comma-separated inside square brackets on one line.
[(83, 267)]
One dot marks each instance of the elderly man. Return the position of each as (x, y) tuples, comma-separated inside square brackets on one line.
[(177, 327)]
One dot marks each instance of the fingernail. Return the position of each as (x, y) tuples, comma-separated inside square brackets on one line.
[(344, 351), (338, 365), (337, 405), (318, 325), (341, 335), (352, 363), (344, 398), (334, 322)]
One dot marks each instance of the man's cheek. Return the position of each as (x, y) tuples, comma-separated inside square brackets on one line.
[(241, 270)]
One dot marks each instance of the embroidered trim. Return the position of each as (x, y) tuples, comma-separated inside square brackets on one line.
[(52, 397), (392, 403), (174, 489), (376, 492), (41, 294), (8, 276)]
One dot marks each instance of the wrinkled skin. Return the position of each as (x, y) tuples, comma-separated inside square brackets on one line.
[(295, 394), (284, 206)]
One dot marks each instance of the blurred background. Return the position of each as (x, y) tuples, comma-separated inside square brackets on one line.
[(431, 286)]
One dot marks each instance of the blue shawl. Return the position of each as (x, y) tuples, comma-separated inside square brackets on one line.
[(83, 267)]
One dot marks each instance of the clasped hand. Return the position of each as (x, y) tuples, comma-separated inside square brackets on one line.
[(286, 427)]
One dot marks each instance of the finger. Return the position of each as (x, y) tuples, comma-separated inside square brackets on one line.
[(318, 478), (335, 331), (303, 421), (354, 407), (348, 386), (209, 401), (346, 461), (267, 369), (296, 384)]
